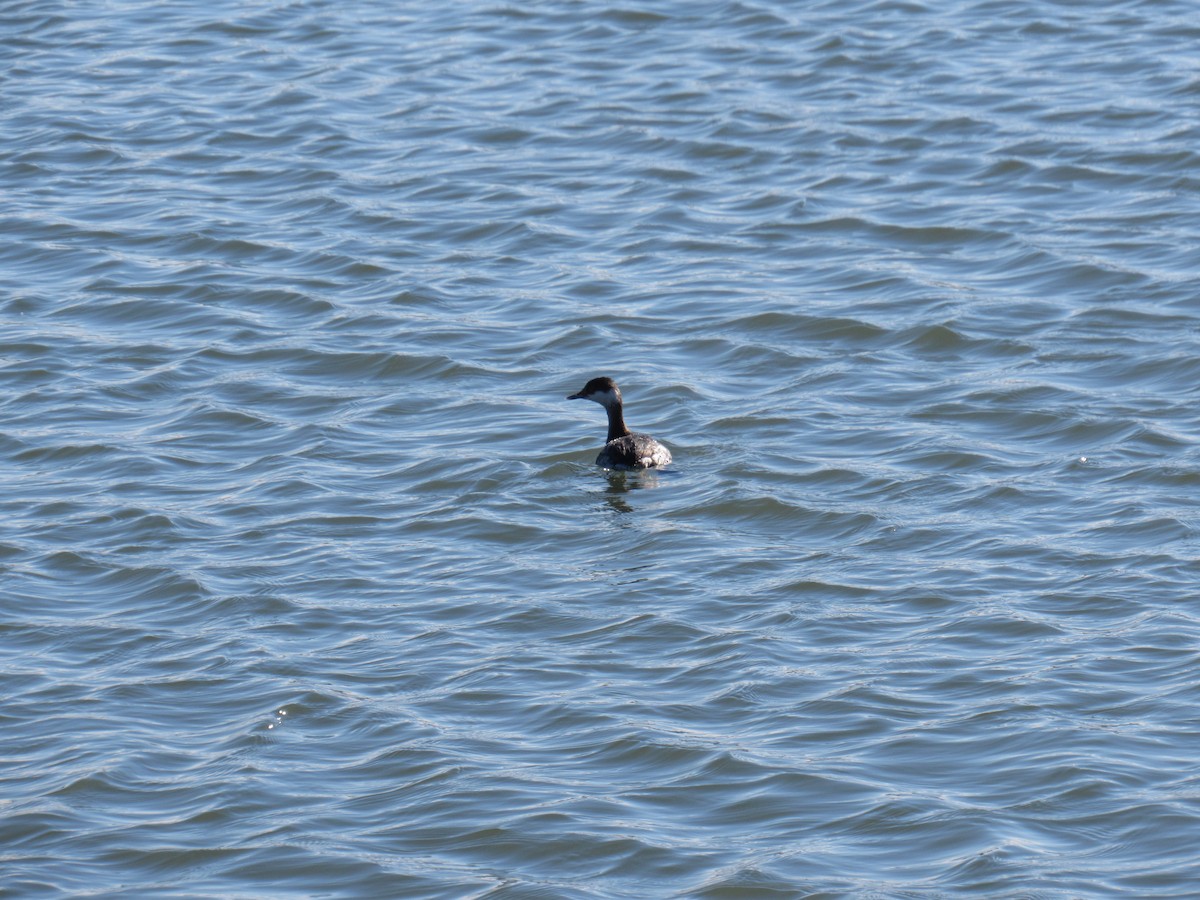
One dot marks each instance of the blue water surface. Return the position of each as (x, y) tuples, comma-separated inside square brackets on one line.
[(309, 585)]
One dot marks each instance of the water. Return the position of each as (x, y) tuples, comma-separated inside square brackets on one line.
[(310, 587)]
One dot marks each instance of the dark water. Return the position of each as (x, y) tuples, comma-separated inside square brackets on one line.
[(309, 587)]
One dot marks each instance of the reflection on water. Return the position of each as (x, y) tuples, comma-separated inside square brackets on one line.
[(621, 483)]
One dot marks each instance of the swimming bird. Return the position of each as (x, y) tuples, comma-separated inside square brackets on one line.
[(623, 449)]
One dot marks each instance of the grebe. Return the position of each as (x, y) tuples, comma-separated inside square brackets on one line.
[(623, 449)]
